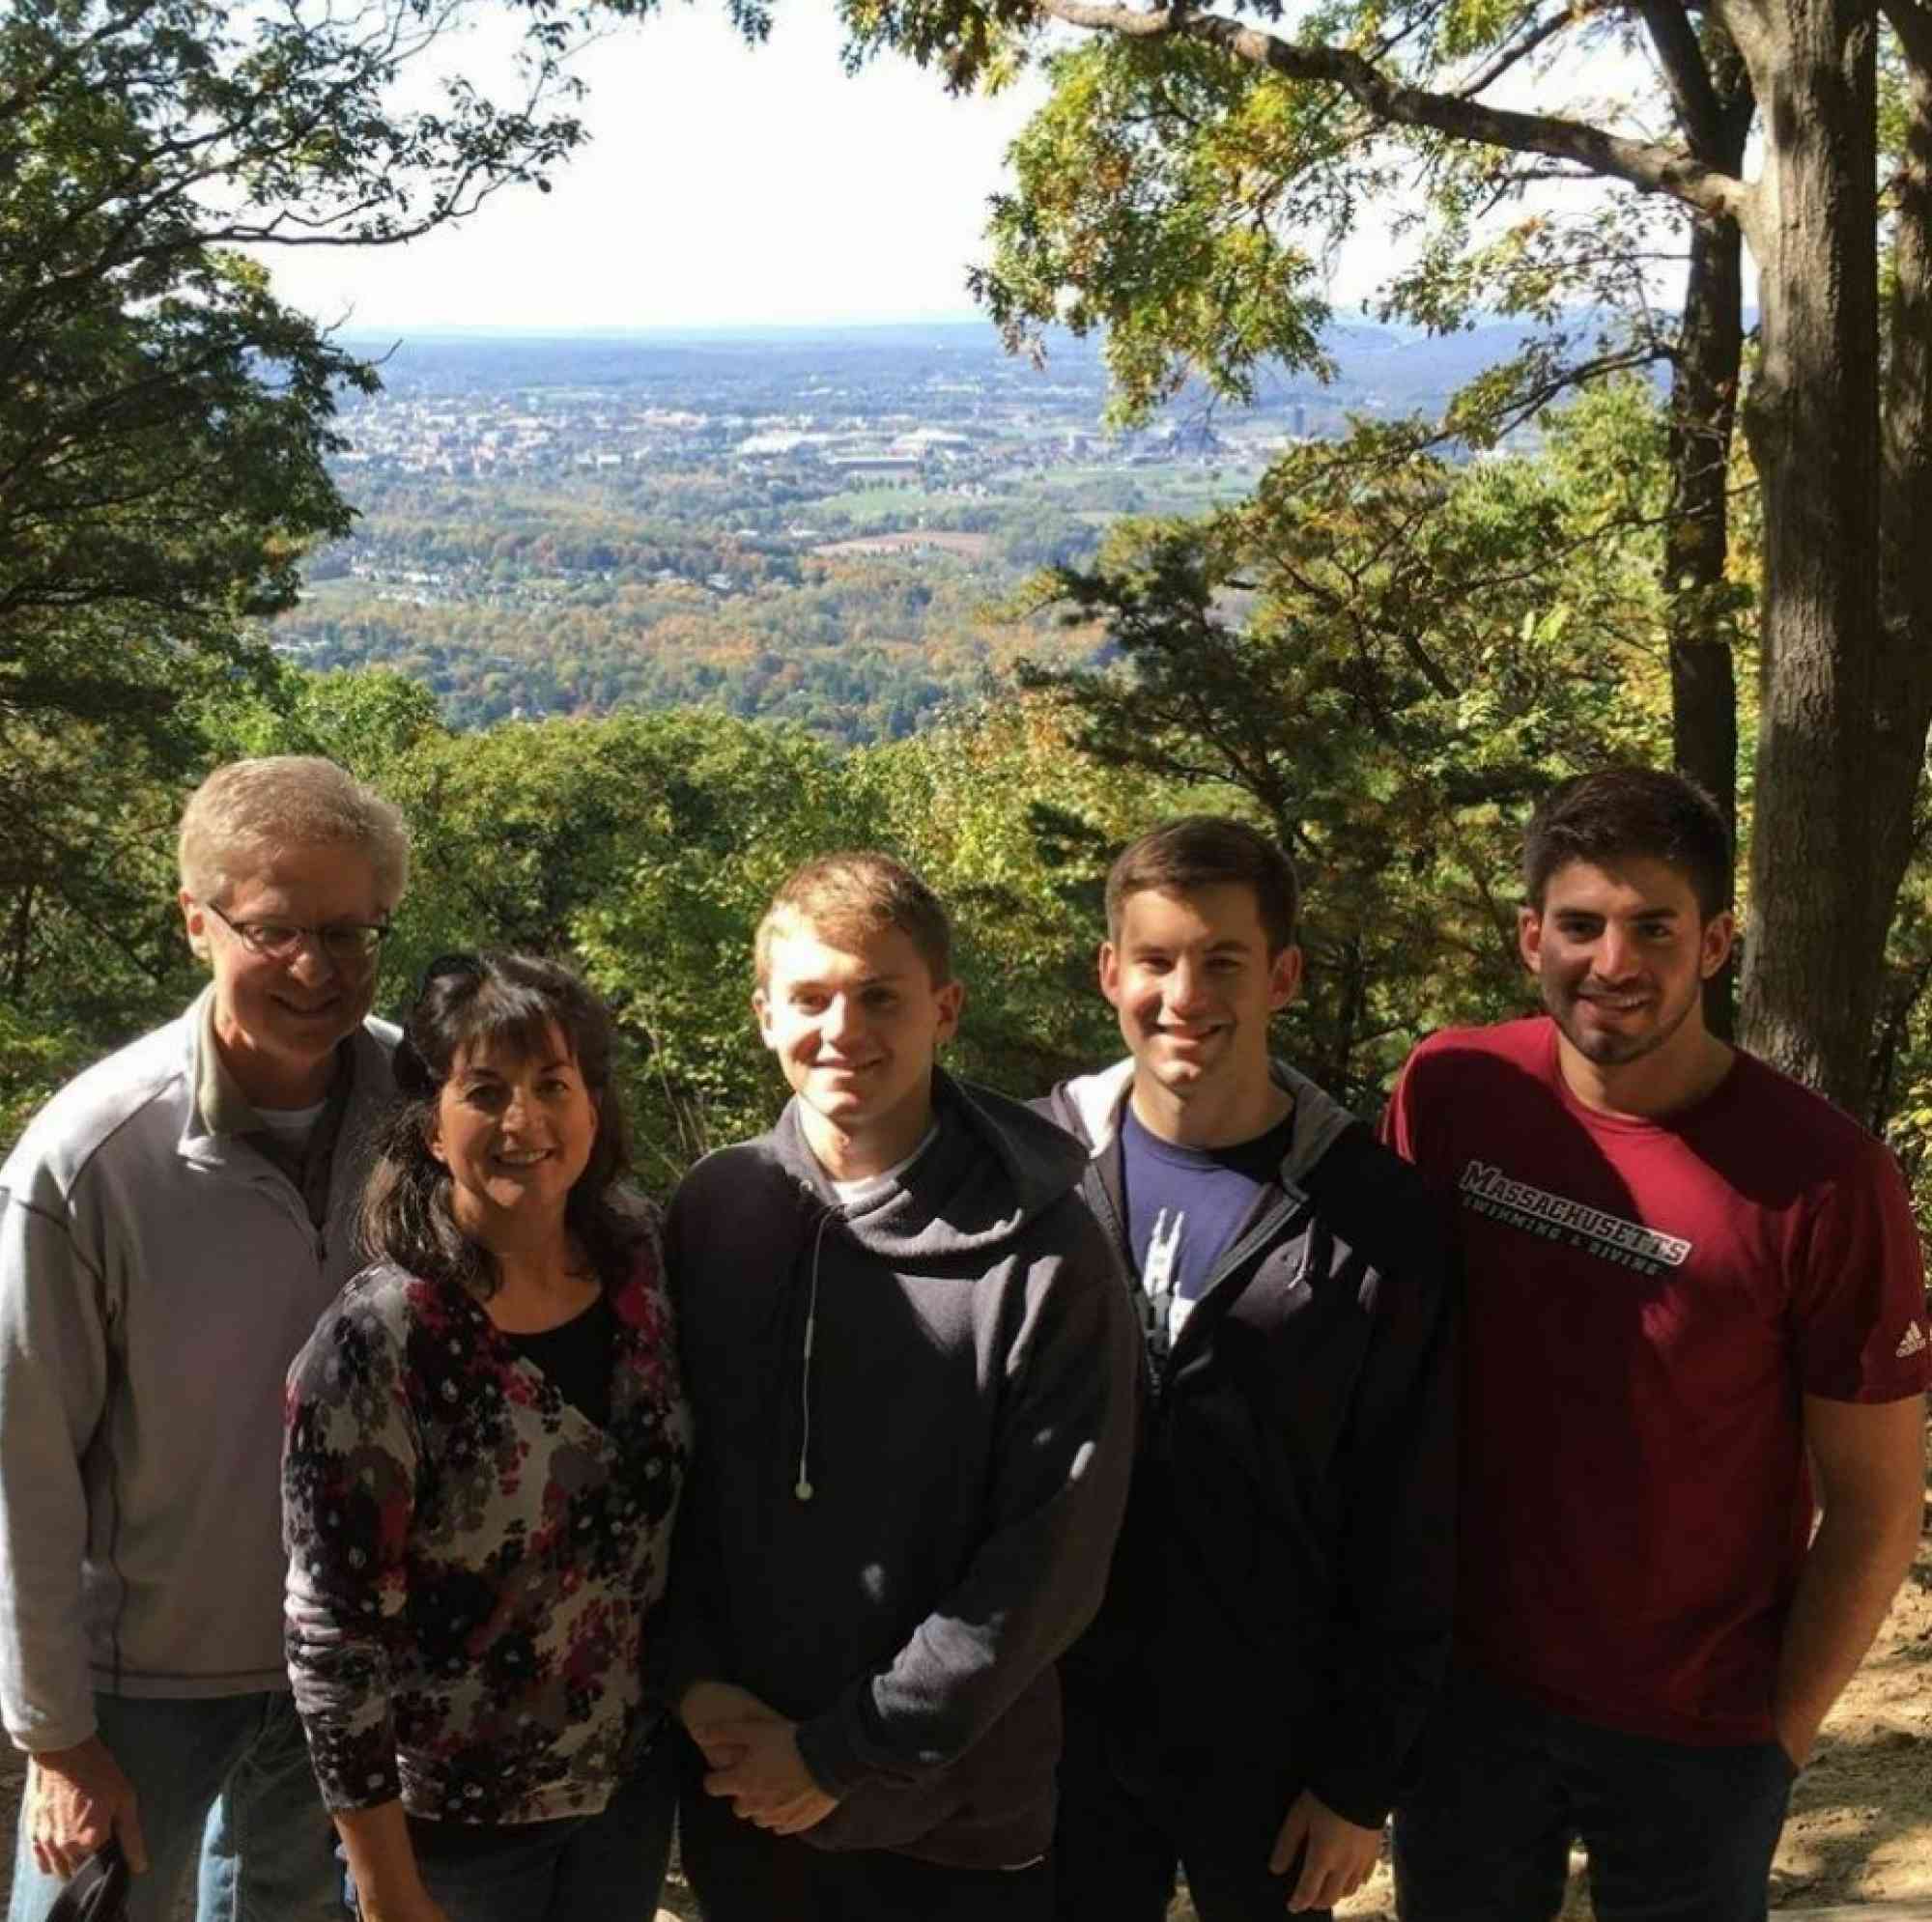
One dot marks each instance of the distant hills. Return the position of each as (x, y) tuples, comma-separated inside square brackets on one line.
[(1388, 369)]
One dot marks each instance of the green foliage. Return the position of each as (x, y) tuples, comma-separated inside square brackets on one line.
[(163, 418), (1384, 660), (165, 421), (35, 1060), (91, 949), (1154, 197), (365, 721), (671, 942)]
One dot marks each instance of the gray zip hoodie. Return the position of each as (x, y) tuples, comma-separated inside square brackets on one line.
[(156, 1280), (916, 1424)]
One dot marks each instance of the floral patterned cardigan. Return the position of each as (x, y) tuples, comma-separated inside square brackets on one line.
[(471, 1560)]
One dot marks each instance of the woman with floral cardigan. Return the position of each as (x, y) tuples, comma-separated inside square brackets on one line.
[(486, 1442)]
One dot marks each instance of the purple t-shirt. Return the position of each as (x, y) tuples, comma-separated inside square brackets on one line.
[(1185, 1205)]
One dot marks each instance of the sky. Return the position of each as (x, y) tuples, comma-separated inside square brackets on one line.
[(728, 185), (724, 186)]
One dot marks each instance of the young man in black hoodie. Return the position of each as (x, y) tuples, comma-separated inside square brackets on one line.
[(1279, 1608), (912, 1360)]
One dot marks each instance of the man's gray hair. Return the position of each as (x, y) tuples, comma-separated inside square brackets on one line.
[(246, 812)]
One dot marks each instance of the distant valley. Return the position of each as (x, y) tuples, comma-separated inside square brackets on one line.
[(796, 525)]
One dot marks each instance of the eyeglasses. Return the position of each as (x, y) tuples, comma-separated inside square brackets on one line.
[(349, 944)]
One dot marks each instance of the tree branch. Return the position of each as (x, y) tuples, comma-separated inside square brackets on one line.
[(1522, 49), (1685, 74), (1644, 164), (14, 104), (1912, 21)]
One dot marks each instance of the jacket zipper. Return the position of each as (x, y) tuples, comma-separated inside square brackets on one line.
[(1102, 1202), (1234, 1258), (1292, 1201), (286, 1192)]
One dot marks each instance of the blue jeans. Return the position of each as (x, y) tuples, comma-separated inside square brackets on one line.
[(608, 1867), (1674, 1833), (223, 1784)]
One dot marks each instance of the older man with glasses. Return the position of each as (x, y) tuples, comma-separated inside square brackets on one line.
[(172, 1224)]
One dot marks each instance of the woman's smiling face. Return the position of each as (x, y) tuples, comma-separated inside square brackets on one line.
[(515, 1130)]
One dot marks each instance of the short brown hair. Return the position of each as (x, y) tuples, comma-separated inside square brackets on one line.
[(1208, 851), (858, 893), (1630, 813)]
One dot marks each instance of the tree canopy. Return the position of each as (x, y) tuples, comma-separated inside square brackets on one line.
[(1192, 166), (164, 419)]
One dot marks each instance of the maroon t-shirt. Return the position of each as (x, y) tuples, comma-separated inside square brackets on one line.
[(1648, 1303)]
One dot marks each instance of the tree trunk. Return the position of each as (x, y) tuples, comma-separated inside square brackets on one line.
[(1703, 414), (1703, 404), (1811, 961), (1902, 705)]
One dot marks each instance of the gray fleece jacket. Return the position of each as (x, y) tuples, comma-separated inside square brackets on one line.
[(915, 1423), (156, 1280)]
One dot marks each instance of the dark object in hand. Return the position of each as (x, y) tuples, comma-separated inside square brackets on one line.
[(97, 1891)]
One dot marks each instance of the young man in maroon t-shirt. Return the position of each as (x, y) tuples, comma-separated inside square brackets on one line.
[(1685, 1274)]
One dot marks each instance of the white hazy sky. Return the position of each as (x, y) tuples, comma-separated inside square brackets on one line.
[(724, 186)]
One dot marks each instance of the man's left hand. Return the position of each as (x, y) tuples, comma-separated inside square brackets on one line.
[(1336, 1855), (768, 1782)]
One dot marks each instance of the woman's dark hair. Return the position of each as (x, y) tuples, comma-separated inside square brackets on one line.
[(490, 1002)]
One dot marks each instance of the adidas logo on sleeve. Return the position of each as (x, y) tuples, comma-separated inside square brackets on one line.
[(1911, 1343)]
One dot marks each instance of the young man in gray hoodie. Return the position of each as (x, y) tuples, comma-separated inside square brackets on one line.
[(911, 1358), (1278, 1613)]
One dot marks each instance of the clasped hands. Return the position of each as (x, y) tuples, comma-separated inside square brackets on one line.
[(750, 1753), (1337, 1856)]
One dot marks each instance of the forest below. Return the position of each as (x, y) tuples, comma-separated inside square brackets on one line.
[(1430, 643), (820, 530)]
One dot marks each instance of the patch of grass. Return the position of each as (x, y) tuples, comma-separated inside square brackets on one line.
[(862, 502)]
